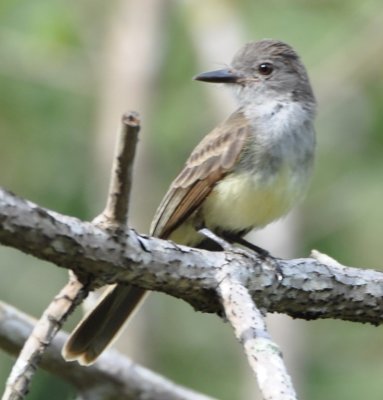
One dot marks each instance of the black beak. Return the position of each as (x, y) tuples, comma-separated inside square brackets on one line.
[(219, 76)]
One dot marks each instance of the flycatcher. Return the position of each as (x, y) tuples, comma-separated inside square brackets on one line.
[(247, 172)]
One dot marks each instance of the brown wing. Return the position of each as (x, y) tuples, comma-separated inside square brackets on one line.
[(213, 158)]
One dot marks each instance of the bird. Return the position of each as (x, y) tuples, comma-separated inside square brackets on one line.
[(247, 172)]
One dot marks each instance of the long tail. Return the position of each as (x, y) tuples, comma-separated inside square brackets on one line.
[(98, 329)]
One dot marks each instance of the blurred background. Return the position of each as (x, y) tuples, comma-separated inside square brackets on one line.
[(67, 72)]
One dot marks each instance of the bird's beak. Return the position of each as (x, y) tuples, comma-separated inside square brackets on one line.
[(220, 76)]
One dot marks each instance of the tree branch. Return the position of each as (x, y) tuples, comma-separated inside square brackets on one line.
[(263, 354), (112, 377), (309, 289)]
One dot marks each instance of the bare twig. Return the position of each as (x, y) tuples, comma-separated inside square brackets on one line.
[(117, 205), (250, 329), (114, 216), (113, 376)]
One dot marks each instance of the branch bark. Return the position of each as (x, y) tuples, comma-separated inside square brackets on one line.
[(310, 289), (264, 356)]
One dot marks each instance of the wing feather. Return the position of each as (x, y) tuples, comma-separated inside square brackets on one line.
[(213, 158)]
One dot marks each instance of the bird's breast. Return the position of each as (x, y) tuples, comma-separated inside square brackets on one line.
[(247, 200)]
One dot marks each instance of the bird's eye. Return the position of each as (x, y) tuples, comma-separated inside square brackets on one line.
[(265, 68)]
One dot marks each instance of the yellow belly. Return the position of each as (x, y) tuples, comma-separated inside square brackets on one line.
[(246, 200), (243, 201)]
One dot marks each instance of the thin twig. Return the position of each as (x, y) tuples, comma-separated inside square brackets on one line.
[(115, 215), (117, 205), (250, 329)]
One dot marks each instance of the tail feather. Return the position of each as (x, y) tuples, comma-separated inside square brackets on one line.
[(101, 326)]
